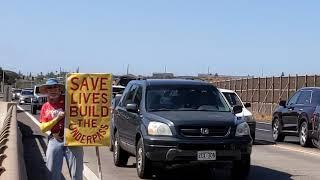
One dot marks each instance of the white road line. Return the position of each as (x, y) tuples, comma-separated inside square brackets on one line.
[(263, 123), (263, 130), (296, 150), (86, 171)]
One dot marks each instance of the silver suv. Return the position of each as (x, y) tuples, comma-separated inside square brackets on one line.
[(37, 100)]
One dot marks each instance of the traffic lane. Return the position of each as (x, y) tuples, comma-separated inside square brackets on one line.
[(259, 169), (264, 166), (27, 108), (264, 132), (295, 162)]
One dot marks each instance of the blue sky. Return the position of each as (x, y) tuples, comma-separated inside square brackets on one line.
[(231, 37)]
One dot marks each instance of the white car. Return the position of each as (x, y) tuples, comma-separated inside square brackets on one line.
[(234, 100)]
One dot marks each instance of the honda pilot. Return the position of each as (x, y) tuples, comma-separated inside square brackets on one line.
[(172, 122)]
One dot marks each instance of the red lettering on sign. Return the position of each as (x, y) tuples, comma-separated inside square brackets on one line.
[(95, 98), (84, 84), (104, 97), (103, 84), (86, 97), (104, 111), (74, 82), (94, 123), (94, 84), (73, 111)]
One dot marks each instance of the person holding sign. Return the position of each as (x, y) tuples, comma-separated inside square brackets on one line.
[(52, 119)]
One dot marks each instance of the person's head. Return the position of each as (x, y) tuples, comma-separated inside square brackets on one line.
[(53, 89)]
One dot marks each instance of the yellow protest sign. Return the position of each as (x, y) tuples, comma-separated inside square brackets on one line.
[(88, 98)]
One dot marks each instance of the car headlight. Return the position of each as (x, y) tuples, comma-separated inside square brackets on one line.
[(159, 129), (243, 129)]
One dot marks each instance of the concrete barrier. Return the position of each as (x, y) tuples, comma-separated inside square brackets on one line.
[(4, 107), (12, 166)]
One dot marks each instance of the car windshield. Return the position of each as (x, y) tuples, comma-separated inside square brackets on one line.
[(185, 98), (27, 93), (233, 99)]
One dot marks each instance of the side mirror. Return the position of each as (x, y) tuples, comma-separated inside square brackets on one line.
[(247, 105), (132, 108), (237, 109), (283, 103)]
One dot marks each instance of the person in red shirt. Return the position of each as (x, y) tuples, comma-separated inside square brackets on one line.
[(52, 119)]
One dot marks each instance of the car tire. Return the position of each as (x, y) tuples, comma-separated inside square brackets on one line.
[(144, 165), (111, 144), (120, 157), (253, 136), (33, 110), (277, 131), (304, 139), (241, 168)]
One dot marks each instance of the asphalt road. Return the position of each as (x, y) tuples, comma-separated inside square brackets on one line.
[(270, 161)]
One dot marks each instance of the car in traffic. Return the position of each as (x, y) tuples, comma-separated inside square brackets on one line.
[(25, 96), (316, 127), (117, 89), (114, 103), (295, 117), (164, 123), (234, 100), (37, 100), (16, 93)]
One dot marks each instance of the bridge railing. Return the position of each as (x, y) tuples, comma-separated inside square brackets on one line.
[(12, 165)]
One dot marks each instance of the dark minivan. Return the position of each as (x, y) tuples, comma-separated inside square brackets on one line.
[(168, 122), (296, 117)]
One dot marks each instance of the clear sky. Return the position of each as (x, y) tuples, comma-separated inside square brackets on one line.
[(231, 37)]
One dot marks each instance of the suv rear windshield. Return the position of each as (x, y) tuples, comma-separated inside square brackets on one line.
[(233, 99), (185, 98)]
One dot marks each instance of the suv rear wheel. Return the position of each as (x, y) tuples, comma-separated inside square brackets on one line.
[(120, 157), (277, 131), (241, 168), (304, 139), (144, 165)]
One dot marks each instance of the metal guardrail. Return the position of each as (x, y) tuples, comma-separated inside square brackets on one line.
[(12, 164)]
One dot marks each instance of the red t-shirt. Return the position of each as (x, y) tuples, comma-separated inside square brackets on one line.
[(51, 110)]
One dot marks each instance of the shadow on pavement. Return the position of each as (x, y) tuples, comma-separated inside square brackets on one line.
[(19, 111), (263, 142), (198, 173), (33, 155), (263, 173)]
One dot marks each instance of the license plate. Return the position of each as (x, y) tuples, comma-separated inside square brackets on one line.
[(207, 155)]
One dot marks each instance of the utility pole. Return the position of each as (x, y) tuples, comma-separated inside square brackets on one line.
[(3, 80), (128, 69), (165, 69)]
